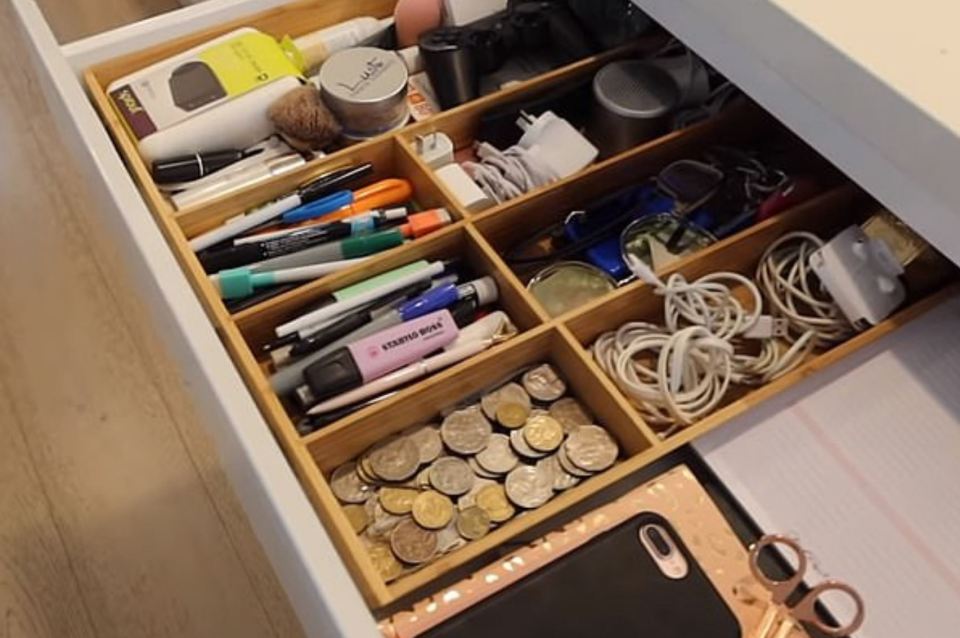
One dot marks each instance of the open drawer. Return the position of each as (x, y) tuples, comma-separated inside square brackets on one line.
[(282, 477)]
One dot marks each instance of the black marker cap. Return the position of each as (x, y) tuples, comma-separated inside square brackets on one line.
[(332, 375)]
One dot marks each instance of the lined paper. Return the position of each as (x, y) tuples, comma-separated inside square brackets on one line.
[(862, 465)]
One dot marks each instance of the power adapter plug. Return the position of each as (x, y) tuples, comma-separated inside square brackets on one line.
[(556, 143), (436, 149), (862, 275)]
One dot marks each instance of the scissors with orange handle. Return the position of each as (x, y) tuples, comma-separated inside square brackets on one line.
[(782, 616)]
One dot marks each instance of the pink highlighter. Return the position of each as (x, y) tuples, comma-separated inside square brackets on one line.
[(379, 354)]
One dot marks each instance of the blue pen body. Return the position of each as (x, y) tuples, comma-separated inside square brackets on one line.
[(318, 208), (430, 301)]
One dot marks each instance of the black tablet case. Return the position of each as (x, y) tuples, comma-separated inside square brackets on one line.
[(609, 587)]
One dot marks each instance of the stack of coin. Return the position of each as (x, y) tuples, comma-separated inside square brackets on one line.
[(432, 488)]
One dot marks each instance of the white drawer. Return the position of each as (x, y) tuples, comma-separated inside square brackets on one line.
[(323, 594)]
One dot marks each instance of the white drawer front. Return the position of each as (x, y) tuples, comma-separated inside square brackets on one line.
[(315, 579)]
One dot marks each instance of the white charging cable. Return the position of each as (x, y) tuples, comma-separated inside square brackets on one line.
[(678, 373), (550, 149), (787, 280), (506, 175)]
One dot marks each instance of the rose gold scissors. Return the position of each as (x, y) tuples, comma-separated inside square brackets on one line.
[(804, 610)]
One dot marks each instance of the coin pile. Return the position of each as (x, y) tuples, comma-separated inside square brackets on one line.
[(430, 489)]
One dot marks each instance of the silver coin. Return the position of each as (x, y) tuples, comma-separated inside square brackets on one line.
[(451, 476), (570, 414), (498, 457), (519, 444), (567, 465), (591, 448), (449, 539), (512, 392), (543, 383), (529, 487), (396, 460), (422, 479), (562, 480), (466, 431), (348, 486), (427, 439), (479, 471), (381, 523)]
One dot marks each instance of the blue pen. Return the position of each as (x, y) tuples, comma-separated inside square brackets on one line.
[(318, 208)]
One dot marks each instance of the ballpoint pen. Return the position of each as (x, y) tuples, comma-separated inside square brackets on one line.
[(327, 312), (247, 253), (343, 204), (354, 246), (316, 189)]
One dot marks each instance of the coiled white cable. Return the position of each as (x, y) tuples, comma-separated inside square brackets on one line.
[(691, 374), (787, 281), (678, 373), (506, 175)]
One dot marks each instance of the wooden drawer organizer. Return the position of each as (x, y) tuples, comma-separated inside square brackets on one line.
[(477, 238)]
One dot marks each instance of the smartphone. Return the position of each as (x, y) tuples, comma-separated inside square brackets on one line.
[(636, 580)]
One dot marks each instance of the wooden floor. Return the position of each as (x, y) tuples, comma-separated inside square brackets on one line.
[(115, 516)]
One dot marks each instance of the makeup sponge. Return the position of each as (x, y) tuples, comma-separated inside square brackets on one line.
[(304, 120), (413, 17)]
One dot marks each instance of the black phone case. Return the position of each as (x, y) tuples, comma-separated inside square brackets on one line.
[(609, 587)]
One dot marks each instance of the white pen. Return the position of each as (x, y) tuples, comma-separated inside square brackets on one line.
[(235, 181), (472, 340), (338, 308)]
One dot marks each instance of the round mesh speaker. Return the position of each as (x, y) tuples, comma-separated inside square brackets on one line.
[(635, 89)]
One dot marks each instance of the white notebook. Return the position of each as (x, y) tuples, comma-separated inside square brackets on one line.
[(862, 464)]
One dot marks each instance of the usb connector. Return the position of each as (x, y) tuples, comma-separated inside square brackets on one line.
[(767, 327)]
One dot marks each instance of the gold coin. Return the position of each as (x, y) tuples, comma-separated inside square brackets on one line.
[(493, 500), (473, 523), (397, 500), (543, 433), (384, 561), (358, 517), (432, 510), (512, 415)]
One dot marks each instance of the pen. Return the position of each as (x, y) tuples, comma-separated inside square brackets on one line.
[(473, 340), (483, 291), (328, 335), (358, 319), (236, 283), (344, 204), (232, 181), (313, 190), (463, 307), (354, 246), (243, 254), (338, 308), (191, 167)]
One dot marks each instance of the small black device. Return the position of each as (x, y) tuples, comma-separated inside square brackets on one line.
[(456, 57), (638, 579)]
